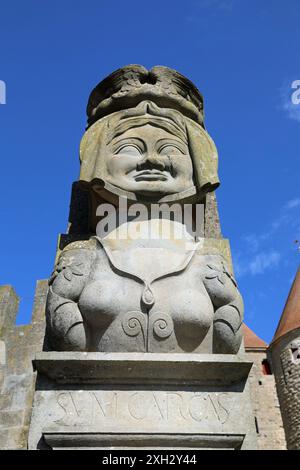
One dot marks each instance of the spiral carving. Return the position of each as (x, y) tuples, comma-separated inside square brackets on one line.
[(162, 324), (134, 323)]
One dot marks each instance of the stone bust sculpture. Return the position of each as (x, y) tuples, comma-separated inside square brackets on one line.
[(145, 142)]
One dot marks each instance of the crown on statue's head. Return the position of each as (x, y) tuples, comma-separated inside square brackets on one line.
[(129, 85)]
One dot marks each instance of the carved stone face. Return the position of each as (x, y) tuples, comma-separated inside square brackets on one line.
[(149, 160)]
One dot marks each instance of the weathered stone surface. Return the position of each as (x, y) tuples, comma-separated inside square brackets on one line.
[(212, 228), (183, 409), (133, 368), (285, 357), (148, 325), (9, 304), (168, 101), (146, 143), (266, 409), (11, 418), (2, 353), (16, 373), (140, 317), (79, 215), (129, 85), (71, 440), (5, 401)]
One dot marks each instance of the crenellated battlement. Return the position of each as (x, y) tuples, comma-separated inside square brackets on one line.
[(18, 345), (9, 306)]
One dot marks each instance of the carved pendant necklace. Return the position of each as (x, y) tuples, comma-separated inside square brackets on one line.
[(147, 296)]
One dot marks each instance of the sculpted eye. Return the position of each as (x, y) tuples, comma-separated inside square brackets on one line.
[(129, 150), (170, 150)]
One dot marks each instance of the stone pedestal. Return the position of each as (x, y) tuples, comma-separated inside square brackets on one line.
[(141, 401)]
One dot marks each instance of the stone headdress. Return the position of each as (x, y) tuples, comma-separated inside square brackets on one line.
[(133, 96)]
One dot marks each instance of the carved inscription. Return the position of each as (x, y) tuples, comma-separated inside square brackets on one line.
[(90, 408)]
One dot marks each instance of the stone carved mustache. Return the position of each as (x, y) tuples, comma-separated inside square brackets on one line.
[(152, 163)]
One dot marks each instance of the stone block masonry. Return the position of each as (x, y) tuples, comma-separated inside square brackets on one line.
[(18, 345)]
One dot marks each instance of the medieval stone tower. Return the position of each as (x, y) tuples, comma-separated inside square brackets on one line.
[(284, 354)]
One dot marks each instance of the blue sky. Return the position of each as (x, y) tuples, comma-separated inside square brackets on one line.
[(242, 54)]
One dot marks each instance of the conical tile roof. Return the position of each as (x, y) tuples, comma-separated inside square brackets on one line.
[(251, 340), (290, 318)]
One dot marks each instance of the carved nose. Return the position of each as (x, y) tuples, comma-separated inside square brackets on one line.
[(151, 161)]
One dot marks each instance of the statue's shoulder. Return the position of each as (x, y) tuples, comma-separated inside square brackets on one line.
[(215, 266), (75, 260), (92, 245), (79, 251), (215, 259)]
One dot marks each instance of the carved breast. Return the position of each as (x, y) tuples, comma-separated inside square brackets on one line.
[(166, 310)]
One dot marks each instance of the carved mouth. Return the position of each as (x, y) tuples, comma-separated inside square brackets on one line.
[(151, 175)]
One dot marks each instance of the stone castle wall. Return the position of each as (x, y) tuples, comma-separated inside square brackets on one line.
[(266, 409), (18, 345), (285, 356)]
